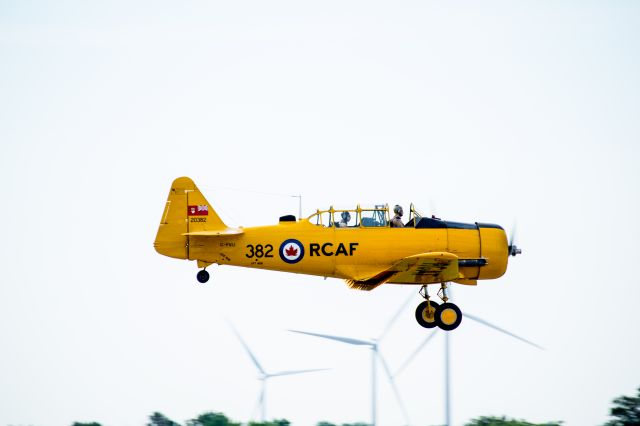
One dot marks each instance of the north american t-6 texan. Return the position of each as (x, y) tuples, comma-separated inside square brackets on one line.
[(362, 246)]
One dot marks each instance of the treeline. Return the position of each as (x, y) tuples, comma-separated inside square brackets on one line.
[(219, 419), (625, 412)]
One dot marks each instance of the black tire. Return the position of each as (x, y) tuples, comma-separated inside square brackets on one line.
[(203, 276), (422, 317), (448, 316)]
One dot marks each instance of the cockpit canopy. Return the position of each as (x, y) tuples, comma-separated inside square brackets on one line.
[(376, 217)]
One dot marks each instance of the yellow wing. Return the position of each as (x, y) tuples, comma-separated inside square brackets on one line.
[(424, 268)]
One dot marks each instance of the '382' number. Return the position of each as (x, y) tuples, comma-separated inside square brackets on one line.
[(259, 250)]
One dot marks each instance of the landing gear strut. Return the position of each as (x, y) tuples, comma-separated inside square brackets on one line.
[(426, 311), (430, 314), (203, 276)]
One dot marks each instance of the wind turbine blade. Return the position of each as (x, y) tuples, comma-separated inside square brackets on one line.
[(246, 348), (395, 388), (488, 324), (287, 373), (338, 338), (413, 355), (395, 317)]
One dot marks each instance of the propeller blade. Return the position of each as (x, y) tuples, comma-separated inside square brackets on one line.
[(287, 373), (338, 338), (395, 317), (502, 330), (513, 249), (246, 348), (413, 355), (513, 234), (395, 388)]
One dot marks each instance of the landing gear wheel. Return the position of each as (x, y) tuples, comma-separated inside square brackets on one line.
[(203, 276), (448, 316), (427, 317)]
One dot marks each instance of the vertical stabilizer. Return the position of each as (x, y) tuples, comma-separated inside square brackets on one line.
[(186, 211)]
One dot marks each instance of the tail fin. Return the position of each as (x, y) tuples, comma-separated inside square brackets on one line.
[(186, 212)]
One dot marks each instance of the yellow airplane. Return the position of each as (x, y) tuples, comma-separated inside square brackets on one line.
[(358, 245)]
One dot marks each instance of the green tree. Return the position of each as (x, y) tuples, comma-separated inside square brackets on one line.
[(211, 419), (281, 422), (626, 411), (503, 421), (159, 419), (86, 424)]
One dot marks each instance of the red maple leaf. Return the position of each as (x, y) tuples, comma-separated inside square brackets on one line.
[(291, 251)]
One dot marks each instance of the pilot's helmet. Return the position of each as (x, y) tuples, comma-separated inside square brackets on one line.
[(346, 216), (398, 209)]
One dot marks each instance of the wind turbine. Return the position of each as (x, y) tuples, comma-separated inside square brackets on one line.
[(264, 375), (447, 362), (373, 344)]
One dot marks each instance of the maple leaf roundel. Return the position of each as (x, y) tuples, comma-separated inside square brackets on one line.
[(291, 251)]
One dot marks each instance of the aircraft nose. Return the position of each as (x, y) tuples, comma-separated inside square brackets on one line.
[(495, 249)]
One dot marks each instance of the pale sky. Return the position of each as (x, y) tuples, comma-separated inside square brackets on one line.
[(495, 111)]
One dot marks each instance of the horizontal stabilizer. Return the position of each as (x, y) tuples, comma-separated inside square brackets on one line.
[(215, 233)]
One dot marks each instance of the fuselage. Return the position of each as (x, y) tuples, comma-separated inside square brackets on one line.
[(361, 247), (356, 253)]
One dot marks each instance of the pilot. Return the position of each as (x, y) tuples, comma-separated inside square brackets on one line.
[(344, 221), (396, 222)]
